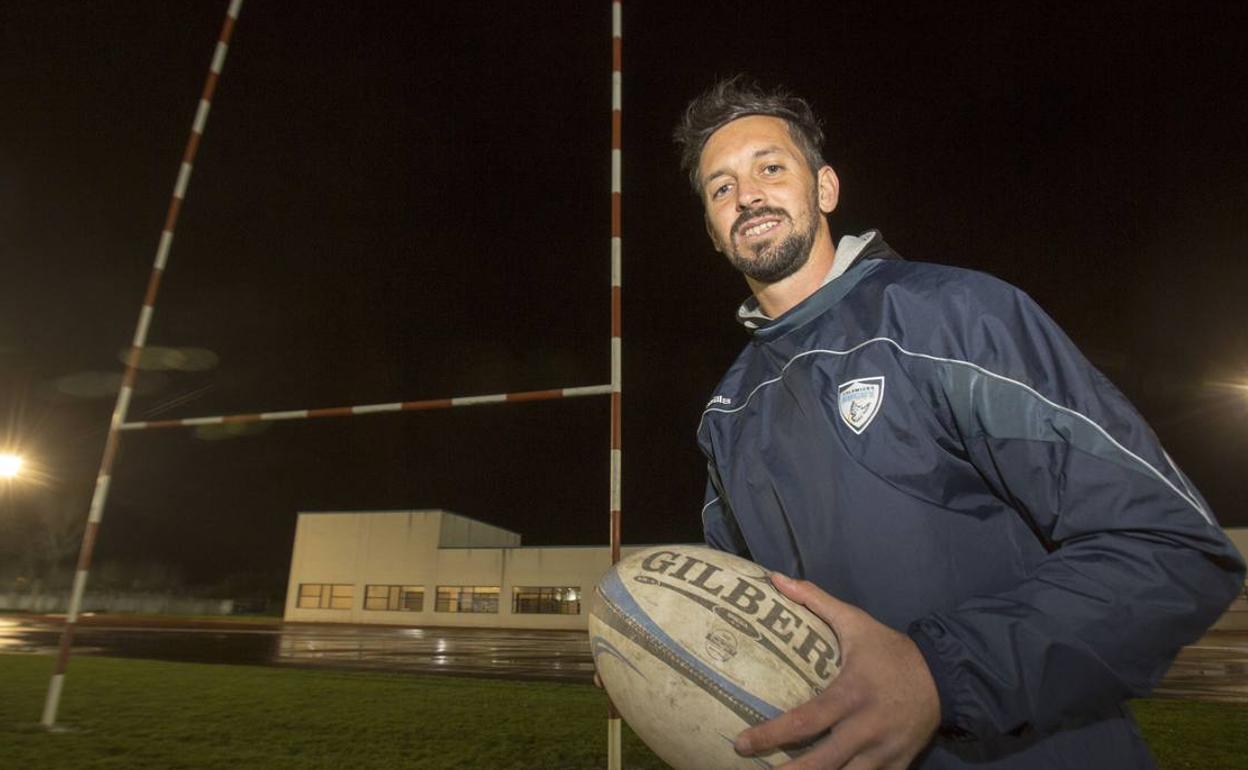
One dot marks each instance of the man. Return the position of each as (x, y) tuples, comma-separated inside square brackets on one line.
[(1004, 549)]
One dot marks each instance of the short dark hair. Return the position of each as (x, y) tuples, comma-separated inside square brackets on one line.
[(737, 97)]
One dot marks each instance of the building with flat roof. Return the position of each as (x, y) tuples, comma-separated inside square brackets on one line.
[(435, 568)]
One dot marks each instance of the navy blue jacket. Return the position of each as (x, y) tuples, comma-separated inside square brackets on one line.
[(924, 442)]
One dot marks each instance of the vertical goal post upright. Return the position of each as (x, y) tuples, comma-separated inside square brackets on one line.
[(614, 758), (118, 422), (99, 497)]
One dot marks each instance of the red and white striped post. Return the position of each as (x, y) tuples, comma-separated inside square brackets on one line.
[(614, 761), (360, 409), (96, 512)]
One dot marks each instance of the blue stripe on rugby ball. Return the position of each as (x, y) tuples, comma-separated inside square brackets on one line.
[(614, 590), (598, 645)]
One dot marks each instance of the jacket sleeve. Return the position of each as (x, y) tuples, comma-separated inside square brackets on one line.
[(719, 525), (1136, 567)]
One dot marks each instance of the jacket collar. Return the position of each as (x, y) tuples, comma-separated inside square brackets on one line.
[(852, 252)]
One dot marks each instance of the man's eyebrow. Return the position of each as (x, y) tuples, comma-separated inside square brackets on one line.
[(768, 150)]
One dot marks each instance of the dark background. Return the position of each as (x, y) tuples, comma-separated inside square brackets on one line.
[(409, 201)]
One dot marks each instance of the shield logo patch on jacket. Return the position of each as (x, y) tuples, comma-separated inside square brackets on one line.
[(859, 401)]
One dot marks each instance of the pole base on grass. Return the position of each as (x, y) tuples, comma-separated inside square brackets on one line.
[(614, 762)]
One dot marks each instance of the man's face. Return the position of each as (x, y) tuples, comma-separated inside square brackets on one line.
[(763, 204)]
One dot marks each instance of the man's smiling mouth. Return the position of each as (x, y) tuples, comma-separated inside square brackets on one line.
[(760, 228)]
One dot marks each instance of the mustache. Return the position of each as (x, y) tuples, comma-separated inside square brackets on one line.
[(761, 211)]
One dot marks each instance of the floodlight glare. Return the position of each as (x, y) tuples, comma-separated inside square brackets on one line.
[(10, 466)]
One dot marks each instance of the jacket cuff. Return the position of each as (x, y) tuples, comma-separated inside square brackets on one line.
[(926, 633)]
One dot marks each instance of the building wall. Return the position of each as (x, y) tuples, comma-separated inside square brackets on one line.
[(462, 532), (1236, 616), (403, 549), (356, 549), (1239, 539)]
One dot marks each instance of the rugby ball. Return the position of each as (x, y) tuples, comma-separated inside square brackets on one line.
[(694, 645)]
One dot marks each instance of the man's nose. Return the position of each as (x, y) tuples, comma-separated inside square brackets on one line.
[(749, 196)]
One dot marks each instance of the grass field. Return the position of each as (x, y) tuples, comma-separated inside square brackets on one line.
[(137, 714)]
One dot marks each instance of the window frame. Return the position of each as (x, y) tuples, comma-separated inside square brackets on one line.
[(545, 600), (395, 597), (327, 596), (478, 600)]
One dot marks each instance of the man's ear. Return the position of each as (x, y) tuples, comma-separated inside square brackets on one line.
[(829, 189)]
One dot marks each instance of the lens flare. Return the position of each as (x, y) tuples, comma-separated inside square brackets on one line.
[(10, 466)]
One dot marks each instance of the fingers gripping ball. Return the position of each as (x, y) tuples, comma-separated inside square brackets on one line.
[(694, 645)]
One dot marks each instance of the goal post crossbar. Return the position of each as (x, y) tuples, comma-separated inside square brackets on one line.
[(362, 409)]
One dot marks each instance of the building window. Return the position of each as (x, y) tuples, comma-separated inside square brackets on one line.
[(394, 598), (546, 600), (325, 596), (467, 599), (413, 599)]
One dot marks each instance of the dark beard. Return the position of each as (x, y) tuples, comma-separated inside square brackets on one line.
[(775, 261)]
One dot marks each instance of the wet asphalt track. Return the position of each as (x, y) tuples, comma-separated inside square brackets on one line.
[(1213, 669), (503, 653), (1216, 668)]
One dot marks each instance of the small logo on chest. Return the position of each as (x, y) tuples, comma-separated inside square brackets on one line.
[(859, 401)]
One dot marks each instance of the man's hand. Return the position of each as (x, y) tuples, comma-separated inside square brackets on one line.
[(881, 710)]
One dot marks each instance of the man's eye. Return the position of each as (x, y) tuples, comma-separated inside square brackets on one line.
[(718, 191), (772, 168)]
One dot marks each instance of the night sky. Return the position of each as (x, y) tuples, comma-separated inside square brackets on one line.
[(410, 201)]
